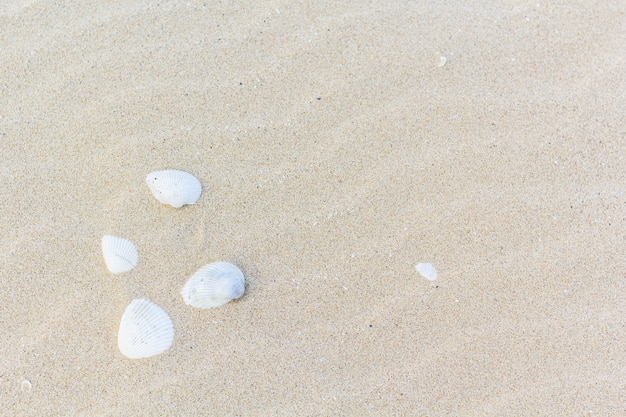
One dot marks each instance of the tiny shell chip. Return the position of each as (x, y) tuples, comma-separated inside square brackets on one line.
[(26, 385), (214, 285), (145, 330), (174, 187), (428, 271), (120, 255)]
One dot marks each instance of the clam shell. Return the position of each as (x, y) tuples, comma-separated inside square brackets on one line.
[(120, 255), (145, 330), (214, 285), (427, 270), (174, 187)]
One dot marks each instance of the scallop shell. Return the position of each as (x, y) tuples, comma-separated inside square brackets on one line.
[(145, 330), (174, 187), (120, 255), (214, 285), (426, 270)]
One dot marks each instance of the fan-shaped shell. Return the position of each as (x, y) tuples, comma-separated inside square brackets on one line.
[(120, 255), (214, 285), (145, 330), (427, 270), (174, 187)]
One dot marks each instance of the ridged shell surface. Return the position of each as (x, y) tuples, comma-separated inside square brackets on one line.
[(174, 187), (145, 330), (120, 255), (214, 285)]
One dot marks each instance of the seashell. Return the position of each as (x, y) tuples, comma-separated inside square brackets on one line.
[(174, 187), (426, 270), (26, 385), (120, 255), (214, 285), (145, 330)]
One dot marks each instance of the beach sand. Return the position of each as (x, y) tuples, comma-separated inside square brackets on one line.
[(339, 144)]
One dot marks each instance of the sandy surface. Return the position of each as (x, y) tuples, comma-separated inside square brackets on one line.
[(336, 153)]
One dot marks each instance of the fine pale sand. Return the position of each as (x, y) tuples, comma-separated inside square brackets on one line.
[(339, 144)]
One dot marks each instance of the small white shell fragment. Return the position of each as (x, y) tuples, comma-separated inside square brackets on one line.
[(214, 285), (145, 330), (26, 385), (426, 270), (120, 255), (174, 187), (442, 61)]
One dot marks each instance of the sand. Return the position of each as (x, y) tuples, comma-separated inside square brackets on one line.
[(339, 144)]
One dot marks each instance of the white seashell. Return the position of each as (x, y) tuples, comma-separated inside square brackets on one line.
[(428, 271), (145, 330), (174, 187), (120, 255), (26, 385), (214, 285)]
